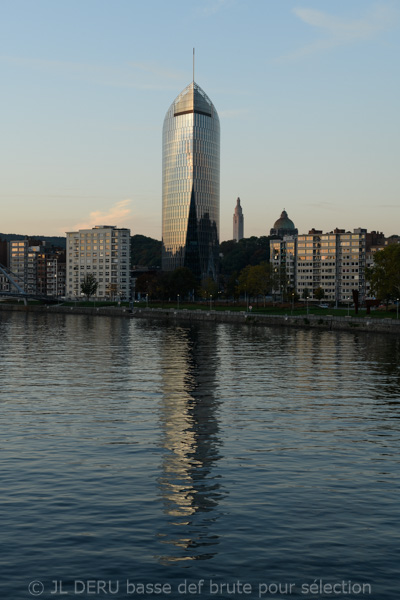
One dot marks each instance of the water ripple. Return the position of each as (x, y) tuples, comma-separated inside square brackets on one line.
[(157, 453)]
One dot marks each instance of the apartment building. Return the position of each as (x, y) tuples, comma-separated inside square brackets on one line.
[(29, 261), (104, 252), (24, 261), (55, 276), (334, 262)]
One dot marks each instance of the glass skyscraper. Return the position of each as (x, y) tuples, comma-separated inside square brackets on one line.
[(191, 151)]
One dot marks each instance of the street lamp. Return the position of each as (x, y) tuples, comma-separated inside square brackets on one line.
[(147, 300), (348, 306), (292, 302), (178, 301), (210, 300), (307, 304)]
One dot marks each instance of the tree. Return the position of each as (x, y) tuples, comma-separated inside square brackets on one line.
[(209, 288), (255, 280), (247, 251), (89, 285), (384, 275), (231, 285), (305, 294), (153, 284), (181, 281), (319, 293), (145, 251)]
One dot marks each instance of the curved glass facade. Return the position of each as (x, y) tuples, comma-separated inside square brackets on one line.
[(191, 151)]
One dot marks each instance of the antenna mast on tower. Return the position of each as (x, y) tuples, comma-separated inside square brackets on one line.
[(193, 65)]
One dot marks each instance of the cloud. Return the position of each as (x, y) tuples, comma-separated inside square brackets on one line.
[(116, 215), (337, 31)]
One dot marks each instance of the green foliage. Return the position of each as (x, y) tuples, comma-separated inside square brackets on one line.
[(181, 281), (145, 251), (255, 280), (319, 293), (168, 284), (237, 255), (231, 287), (280, 282), (384, 275), (89, 285), (306, 293), (57, 241), (209, 288)]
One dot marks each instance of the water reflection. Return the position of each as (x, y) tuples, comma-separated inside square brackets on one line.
[(112, 432), (189, 483), (382, 357)]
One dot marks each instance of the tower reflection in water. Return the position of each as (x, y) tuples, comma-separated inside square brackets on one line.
[(190, 484)]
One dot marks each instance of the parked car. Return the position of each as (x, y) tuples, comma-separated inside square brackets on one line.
[(323, 305)]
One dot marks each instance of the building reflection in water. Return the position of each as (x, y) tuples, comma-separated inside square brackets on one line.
[(190, 484)]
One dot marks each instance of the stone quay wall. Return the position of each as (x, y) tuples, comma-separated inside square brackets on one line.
[(322, 322), (109, 311)]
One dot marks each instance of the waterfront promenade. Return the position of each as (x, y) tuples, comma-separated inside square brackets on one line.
[(326, 322)]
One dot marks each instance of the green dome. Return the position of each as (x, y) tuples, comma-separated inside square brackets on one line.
[(284, 222)]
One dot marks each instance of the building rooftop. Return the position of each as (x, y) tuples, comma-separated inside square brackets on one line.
[(193, 100), (284, 222)]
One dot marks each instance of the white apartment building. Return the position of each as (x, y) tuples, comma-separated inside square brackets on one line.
[(332, 261), (103, 251)]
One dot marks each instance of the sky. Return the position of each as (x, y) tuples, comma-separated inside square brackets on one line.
[(307, 92)]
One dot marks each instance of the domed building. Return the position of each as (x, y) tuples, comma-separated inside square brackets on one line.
[(283, 226)]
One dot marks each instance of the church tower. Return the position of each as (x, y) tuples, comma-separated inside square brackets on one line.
[(238, 222)]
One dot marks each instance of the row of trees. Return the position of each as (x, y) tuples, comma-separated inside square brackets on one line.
[(165, 285), (383, 276), (257, 280), (253, 282), (146, 251)]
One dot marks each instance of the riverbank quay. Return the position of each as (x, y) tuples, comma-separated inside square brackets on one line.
[(108, 311), (322, 322)]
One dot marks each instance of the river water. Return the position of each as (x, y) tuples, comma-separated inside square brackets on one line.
[(141, 459)]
